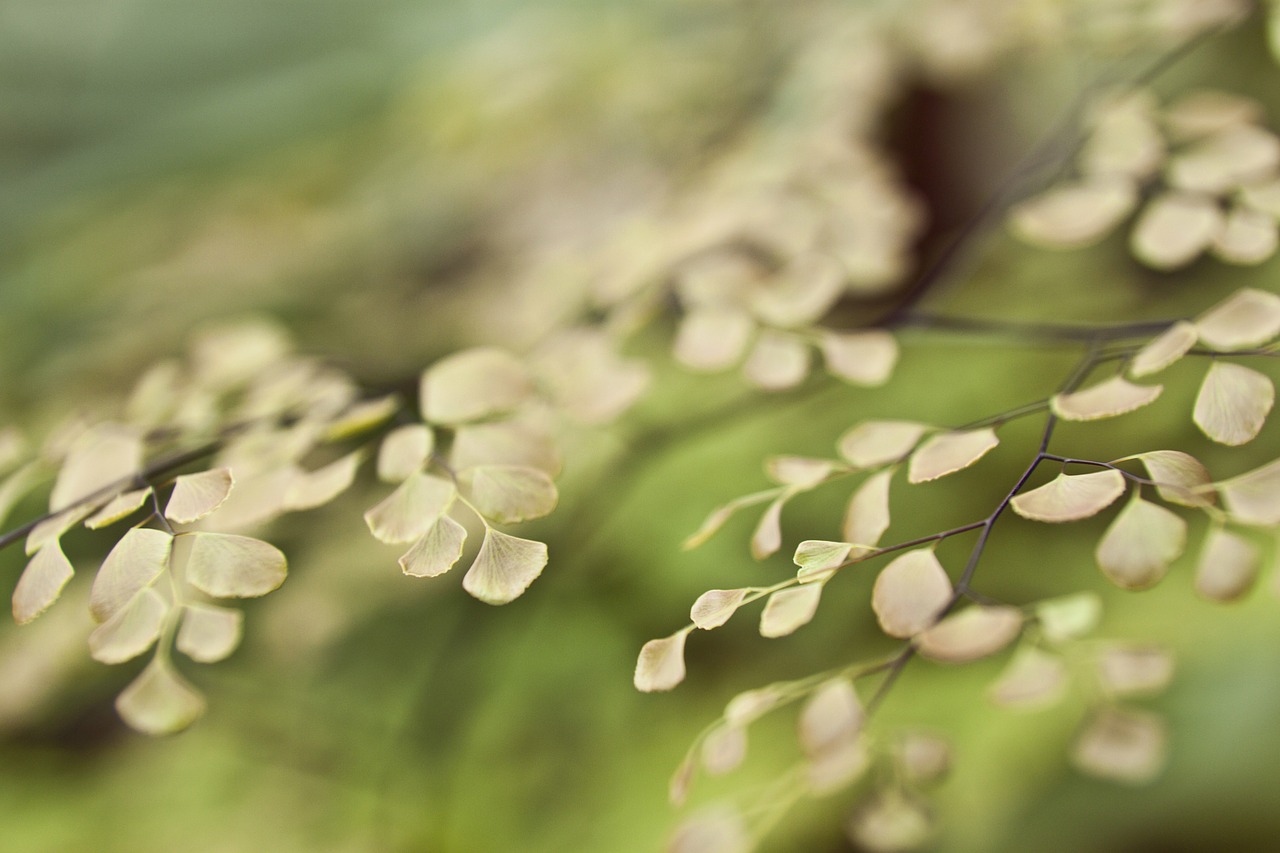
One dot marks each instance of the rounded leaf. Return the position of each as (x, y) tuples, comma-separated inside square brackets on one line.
[(1175, 228), (311, 489), (197, 495), (816, 558), (473, 384), (504, 443), (766, 539), (891, 822), (1070, 498), (923, 757), (1163, 350), (209, 634), (509, 493), (718, 829), (1115, 396), (1233, 403), (101, 456), (404, 452), (504, 568), (971, 634), (1247, 237), (789, 609), (1228, 566), (437, 550), (121, 506), (159, 701), (831, 717), (1254, 496), (1223, 160), (778, 361), (874, 443), (714, 607), (1141, 542), (131, 630), (799, 471), (1069, 617), (1033, 679), (713, 338), (661, 663), (1074, 215), (1126, 670), (949, 452), (867, 516), (1179, 477), (1123, 745), (723, 749), (225, 565), (409, 512), (41, 582), (136, 560), (910, 593), (860, 358)]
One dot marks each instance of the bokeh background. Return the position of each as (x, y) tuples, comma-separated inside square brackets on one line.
[(376, 176)]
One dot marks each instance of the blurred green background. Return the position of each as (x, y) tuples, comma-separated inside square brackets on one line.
[(375, 175)]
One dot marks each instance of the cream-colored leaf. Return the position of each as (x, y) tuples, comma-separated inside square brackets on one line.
[(311, 489), (509, 493), (681, 780), (408, 513), (799, 471), (874, 443), (131, 630), (832, 716), (922, 757), (777, 361), (949, 452), (140, 556), (234, 352), (661, 663), (1248, 318), (1179, 477), (1140, 543), (15, 486), (121, 506), (587, 378), (717, 829), (1125, 670), (41, 582), (258, 497), (1174, 228), (1247, 237), (789, 609), (1123, 745), (1218, 163), (890, 822), (208, 633), (860, 358), (1074, 215), (867, 516), (1124, 143), (718, 516), (1228, 566), (504, 443), (197, 495), (473, 384), (1069, 617), (361, 417), (1107, 399), (504, 568), (816, 558), (838, 767), (404, 452), (1254, 496), (159, 701), (973, 633), (57, 524), (103, 455), (1233, 403), (801, 293), (767, 537), (1070, 498), (910, 593), (713, 338), (437, 550), (1262, 196), (1204, 111), (1163, 350), (714, 607), (225, 565), (1033, 679), (723, 749)]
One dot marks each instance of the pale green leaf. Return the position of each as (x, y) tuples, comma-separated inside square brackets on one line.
[(102, 456), (801, 293), (140, 557), (949, 452), (767, 537), (1175, 228), (799, 471), (789, 609), (777, 361), (1033, 679), (1123, 745), (57, 524), (311, 489), (1070, 498), (159, 701), (121, 506), (1245, 319), (1233, 403), (1074, 215), (131, 629), (1140, 543), (661, 663), (831, 717), (723, 749), (509, 493), (504, 443), (209, 633), (504, 567), (1163, 350), (1107, 399), (1069, 617), (1201, 112), (1235, 155), (1179, 477), (816, 558), (1247, 237), (1126, 670), (473, 384), (1228, 566), (860, 358), (973, 633), (1124, 143), (910, 593), (197, 495), (408, 513), (718, 516), (838, 767), (874, 443), (361, 417), (713, 338), (437, 551), (714, 607), (404, 452), (16, 486), (41, 582), (867, 516), (1254, 496), (225, 565)]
